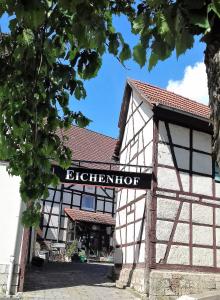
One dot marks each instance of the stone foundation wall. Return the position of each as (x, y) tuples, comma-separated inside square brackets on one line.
[(134, 278), (4, 278), (169, 285)]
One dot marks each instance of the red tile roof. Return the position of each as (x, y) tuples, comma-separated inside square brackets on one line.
[(155, 95), (89, 145), (88, 216)]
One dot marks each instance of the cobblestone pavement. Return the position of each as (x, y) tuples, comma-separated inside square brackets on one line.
[(73, 281)]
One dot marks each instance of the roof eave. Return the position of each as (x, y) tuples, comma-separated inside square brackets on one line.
[(183, 112)]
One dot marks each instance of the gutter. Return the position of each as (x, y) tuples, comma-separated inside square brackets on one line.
[(13, 254)]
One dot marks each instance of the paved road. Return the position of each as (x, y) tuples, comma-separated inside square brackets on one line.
[(73, 281)]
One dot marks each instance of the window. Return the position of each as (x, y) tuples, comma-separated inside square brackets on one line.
[(217, 172), (88, 202)]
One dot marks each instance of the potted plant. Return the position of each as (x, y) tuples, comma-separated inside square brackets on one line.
[(72, 251)]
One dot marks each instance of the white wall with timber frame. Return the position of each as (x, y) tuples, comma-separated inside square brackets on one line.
[(186, 200), (183, 224), (136, 149), (54, 219)]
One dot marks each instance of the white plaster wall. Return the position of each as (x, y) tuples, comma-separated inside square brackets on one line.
[(129, 155), (202, 185), (181, 233), (130, 233), (123, 249), (167, 208), (162, 132), (218, 237), (10, 210), (130, 254), (163, 230), (138, 231), (139, 211), (217, 216), (202, 235), (217, 189), (141, 253), (164, 155), (178, 255), (202, 257), (184, 177), (184, 214), (167, 179), (148, 132), (201, 162), (202, 214), (117, 237), (160, 252), (134, 124), (130, 217), (218, 258), (121, 198), (121, 215), (123, 235)]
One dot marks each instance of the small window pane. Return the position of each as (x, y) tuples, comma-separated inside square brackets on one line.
[(88, 202)]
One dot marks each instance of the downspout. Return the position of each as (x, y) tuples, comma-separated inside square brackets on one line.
[(12, 257)]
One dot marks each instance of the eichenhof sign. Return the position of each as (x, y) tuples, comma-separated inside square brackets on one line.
[(104, 177)]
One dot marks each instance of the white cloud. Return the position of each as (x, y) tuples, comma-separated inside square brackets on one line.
[(193, 85)]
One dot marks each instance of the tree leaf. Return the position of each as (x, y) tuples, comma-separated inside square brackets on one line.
[(139, 54), (113, 43), (152, 61), (125, 53), (82, 121), (184, 41), (216, 7), (199, 19), (28, 37), (195, 5), (79, 91)]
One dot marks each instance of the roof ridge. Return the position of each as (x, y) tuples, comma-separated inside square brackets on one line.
[(169, 92), (95, 132)]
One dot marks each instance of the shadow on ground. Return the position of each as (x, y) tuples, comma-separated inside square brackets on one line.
[(61, 275)]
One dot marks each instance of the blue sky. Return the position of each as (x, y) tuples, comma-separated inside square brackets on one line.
[(105, 92)]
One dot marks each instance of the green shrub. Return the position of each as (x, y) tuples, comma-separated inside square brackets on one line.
[(72, 249)]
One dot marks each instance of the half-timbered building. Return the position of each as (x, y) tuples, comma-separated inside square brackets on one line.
[(82, 212), (167, 238)]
